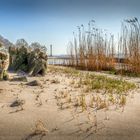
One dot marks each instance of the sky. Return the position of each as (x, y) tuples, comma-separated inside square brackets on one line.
[(54, 21)]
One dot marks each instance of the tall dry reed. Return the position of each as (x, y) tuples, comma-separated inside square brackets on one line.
[(129, 45), (92, 49)]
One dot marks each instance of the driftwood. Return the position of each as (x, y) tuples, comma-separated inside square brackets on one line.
[(34, 83)]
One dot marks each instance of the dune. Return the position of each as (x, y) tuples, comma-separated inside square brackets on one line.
[(40, 117)]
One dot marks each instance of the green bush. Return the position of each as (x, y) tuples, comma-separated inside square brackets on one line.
[(32, 61)]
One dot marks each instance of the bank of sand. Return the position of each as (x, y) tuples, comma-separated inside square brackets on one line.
[(19, 125)]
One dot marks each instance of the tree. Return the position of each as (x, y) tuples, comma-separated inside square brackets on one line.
[(36, 45), (21, 43)]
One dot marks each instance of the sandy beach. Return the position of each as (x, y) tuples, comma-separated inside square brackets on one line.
[(40, 110)]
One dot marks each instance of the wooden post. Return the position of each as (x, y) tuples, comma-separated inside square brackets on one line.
[(50, 50)]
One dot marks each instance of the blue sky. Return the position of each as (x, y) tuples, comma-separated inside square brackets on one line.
[(53, 21)]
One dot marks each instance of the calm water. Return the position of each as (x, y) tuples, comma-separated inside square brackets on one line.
[(58, 61)]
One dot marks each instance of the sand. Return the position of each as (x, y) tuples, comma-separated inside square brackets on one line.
[(18, 123)]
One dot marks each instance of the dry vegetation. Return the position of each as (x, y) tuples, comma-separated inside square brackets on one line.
[(95, 93), (89, 82), (129, 45), (39, 130), (68, 102), (84, 94), (94, 49)]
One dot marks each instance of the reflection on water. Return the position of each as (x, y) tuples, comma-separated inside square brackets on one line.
[(58, 61)]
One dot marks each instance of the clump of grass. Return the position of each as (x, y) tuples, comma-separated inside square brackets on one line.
[(124, 72), (83, 102), (66, 70), (103, 93), (96, 82), (39, 130), (122, 101)]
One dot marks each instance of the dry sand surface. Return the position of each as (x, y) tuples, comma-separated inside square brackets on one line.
[(39, 117)]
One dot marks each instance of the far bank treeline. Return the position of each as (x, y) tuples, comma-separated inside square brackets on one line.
[(95, 49), (31, 59)]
